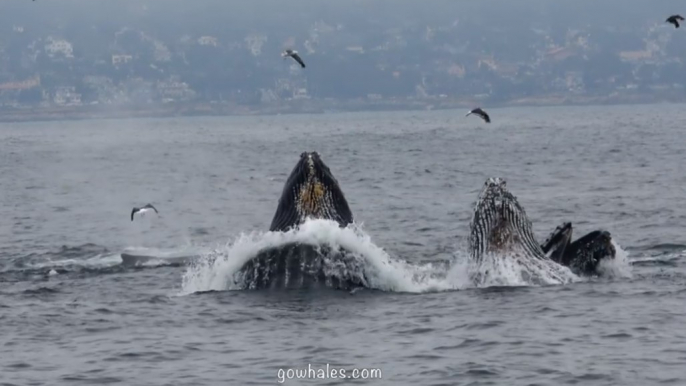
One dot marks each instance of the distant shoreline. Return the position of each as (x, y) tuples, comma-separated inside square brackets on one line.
[(191, 109)]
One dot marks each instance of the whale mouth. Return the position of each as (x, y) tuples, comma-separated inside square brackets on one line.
[(500, 223), (556, 244), (311, 191), (585, 253), (605, 247)]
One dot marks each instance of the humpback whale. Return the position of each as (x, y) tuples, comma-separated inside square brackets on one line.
[(311, 192), (501, 227), (583, 255), (499, 223)]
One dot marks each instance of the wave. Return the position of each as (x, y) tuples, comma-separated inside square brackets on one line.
[(663, 247), (153, 257), (219, 269), (656, 262), (91, 259), (66, 253)]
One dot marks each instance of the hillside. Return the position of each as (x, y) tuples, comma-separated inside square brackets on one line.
[(76, 53)]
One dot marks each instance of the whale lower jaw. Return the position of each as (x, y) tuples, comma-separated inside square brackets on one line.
[(302, 266)]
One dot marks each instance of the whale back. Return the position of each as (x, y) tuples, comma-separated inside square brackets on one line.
[(311, 191), (500, 224)]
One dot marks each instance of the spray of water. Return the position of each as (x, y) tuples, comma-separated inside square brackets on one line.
[(619, 267), (516, 268), (216, 271)]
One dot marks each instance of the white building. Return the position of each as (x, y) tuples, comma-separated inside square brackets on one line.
[(208, 41), (54, 47)]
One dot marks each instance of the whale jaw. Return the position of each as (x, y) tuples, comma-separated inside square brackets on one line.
[(302, 266), (311, 191), (500, 225)]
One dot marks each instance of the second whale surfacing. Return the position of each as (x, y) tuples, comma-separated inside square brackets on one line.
[(501, 232), (311, 192), (500, 226)]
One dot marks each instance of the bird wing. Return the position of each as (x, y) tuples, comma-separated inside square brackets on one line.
[(134, 210), (676, 23), (679, 17), (474, 111), (478, 111), (297, 59), (152, 207)]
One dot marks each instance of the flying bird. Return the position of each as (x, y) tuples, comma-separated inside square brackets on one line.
[(674, 19), (293, 54), (143, 210), (480, 113)]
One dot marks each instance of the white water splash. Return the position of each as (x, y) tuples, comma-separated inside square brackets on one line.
[(619, 267), (515, 269), (215, 271)]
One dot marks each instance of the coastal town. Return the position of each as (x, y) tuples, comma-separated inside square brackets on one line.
[(53, 72)]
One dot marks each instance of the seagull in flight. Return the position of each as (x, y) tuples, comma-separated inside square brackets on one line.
[(674, 19), (478, 111), (293, 54), (143, 210)]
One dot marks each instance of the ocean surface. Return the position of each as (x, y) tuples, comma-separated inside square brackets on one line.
[(72, 313)]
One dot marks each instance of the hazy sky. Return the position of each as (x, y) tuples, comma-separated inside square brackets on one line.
[(259, 12)]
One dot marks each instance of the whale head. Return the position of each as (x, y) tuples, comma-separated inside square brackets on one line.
[(499, 223), (311, 191)]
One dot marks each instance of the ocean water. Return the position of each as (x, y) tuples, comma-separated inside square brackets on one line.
[(72, 313)]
